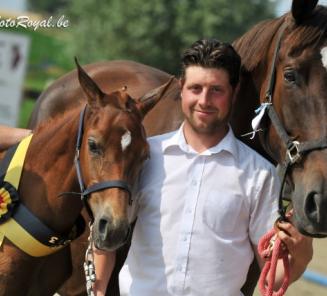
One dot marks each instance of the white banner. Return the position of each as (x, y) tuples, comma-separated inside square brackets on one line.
[(13, 59)]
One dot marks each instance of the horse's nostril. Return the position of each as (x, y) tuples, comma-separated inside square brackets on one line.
[(312, 206)]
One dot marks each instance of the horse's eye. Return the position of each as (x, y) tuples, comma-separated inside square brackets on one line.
[(93, 146), (290, 76)]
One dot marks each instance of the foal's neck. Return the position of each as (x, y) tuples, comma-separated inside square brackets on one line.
[(49, 170)]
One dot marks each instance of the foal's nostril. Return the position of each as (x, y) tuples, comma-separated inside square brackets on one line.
[(103, 225)]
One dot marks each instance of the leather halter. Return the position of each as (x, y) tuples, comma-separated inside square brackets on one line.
[(85, 192), (295, 150)]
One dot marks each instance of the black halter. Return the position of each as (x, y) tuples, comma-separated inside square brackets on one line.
[(85, 192), (295, 150)]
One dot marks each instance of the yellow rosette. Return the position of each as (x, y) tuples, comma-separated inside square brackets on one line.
[(8, 200)]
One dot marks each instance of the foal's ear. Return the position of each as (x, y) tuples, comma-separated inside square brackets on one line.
[(301, 9), (150, 99), (90, 88)]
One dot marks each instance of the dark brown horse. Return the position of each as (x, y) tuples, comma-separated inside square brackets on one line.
[(284, 57), (284, 65), (108, 143)]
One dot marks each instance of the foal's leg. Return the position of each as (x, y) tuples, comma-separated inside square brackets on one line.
[(54, 270), (75, 285), (16, 270)]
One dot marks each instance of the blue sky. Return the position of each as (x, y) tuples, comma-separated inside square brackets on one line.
[(285, 5), (16, 5)]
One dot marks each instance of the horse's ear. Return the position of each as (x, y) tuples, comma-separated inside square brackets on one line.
[(301, 9), (151, 98), (90, 88)]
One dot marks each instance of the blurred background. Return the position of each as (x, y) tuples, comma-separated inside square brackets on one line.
[(42, 48), (152, 32)]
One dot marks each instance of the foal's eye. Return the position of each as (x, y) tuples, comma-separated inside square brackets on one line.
[(290, 76), (93, 146)]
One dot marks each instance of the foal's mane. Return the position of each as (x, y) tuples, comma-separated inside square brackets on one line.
[(54, 123), (254, 45)]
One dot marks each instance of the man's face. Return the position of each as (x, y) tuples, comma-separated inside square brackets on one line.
[(207, 99)]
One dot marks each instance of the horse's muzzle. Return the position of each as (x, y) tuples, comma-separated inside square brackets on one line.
[(110, 234)]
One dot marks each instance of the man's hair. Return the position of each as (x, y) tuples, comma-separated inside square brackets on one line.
[(211, 53)]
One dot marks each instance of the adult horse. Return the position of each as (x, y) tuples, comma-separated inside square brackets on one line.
[(285, 70), (284, 65), (105, 139)]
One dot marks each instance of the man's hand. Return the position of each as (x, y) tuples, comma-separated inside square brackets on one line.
[(299, 247), (10, 136)]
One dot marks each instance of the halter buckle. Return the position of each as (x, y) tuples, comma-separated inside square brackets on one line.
[(293, 152)]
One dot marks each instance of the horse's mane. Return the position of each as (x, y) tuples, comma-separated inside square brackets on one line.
[(254, 45)]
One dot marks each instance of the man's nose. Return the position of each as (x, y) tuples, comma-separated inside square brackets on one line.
[(204, 98)]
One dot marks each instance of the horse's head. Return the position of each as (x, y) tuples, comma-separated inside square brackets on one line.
[(113, 150), (299, 97)]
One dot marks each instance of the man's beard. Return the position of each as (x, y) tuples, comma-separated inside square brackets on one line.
[(210, 128)]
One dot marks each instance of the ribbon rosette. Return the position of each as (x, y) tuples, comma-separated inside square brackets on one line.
[(8, 200)]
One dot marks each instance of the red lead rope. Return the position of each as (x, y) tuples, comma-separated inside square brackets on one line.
[(270, 249)]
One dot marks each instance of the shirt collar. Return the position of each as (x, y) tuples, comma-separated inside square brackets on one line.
[(177, 139)]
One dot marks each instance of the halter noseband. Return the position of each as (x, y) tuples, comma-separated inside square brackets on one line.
[(295, 150), (85, 192)]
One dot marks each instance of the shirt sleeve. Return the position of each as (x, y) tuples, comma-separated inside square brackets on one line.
[(264, 210)]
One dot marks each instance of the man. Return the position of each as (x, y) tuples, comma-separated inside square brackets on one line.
[(11, 135), (204, 198)]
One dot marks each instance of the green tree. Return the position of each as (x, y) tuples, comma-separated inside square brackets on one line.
[(46, 6), (155, 32)]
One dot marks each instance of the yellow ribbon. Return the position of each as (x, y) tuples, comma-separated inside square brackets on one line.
[(11, 229)]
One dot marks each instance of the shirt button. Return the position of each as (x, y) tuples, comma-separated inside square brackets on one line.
[(194, 182)]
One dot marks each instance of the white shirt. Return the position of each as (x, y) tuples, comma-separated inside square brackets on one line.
[(197, 217)]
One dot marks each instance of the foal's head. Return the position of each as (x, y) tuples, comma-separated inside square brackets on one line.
[(114, 148)]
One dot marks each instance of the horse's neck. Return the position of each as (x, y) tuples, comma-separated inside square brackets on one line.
[(245, 104), (243, 111), (49, 170)]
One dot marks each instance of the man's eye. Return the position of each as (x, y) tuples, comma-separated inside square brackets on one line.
[(216, 89), (195, 88)]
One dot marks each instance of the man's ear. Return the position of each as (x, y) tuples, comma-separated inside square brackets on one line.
[(181, 82)]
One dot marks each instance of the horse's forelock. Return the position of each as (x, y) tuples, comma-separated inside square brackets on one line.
[(310, 33), (254, 45)]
